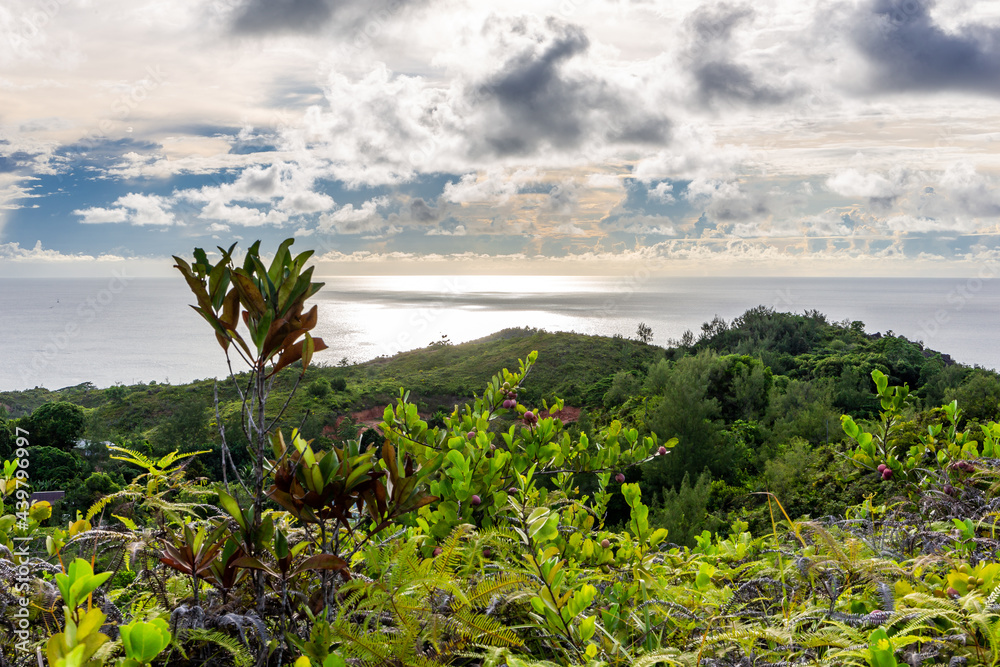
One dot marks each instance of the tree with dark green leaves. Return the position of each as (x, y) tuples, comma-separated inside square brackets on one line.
[(683, 511), (58, 425), (6, 439), (978, 395), (52, 468), (686, 411), (185, 429)]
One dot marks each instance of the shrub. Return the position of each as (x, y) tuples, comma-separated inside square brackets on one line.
[(319, 388)]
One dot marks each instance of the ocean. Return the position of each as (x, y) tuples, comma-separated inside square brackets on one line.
[(60, 332)]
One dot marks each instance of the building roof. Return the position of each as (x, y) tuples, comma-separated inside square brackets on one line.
[(50, 496)]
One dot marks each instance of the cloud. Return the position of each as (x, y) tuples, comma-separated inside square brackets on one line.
[(526, 91), (494, 186), (694, 152), (880, 189), (908, 50), (540, 96), (726, 201), (663, 193), (641, 225), (244, 216), (134, 208), (307, 202), (710, 59), (286, 188), (972, 192), (563, 197), (349, 219), (605, 182), (458, 230), (98, 215), (904, 201), (422, 212), (265, 17), (570, 229), (13, 252)]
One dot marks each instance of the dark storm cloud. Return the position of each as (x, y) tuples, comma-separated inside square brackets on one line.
[(909, 51), (710, 59), (542, 102), (421, 211), (257, 17), (730, 81), (265, 16)]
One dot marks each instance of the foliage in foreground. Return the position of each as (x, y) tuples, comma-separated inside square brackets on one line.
[(485, 539), (478, 549)]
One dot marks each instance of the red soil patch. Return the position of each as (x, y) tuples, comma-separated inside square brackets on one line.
[(371, 417), (568, 414)]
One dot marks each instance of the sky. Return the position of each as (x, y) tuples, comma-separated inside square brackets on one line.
[(807, 137)]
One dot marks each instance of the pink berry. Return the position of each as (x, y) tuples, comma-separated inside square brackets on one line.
[(437, 551), (475, 500), (512, 490), (887, 474), (605, 543), (471, 435), (620, 478), (662, 450), (487, 552), (881, 468), (509, 404)]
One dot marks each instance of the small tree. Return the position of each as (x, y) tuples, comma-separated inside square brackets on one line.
[(58, 425), (270, 303), (644, 332)]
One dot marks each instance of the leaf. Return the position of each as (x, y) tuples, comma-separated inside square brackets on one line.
[(308, 347), (280, 260), (233, 508), (144, 641), (321, 562), (881, 648), (251, 563), (40, 511), (250, 295)]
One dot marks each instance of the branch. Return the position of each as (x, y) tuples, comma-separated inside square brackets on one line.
[(287, 401)]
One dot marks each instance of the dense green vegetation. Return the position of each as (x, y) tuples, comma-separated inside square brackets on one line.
[(756, 403), (779, 489)]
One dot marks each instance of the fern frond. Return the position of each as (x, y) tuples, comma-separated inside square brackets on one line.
[(451, 550), (485, 630), (241, 657), (497, 585), (366, 646), (669, 656), (99, 506), (133, 457), (743, 634)]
